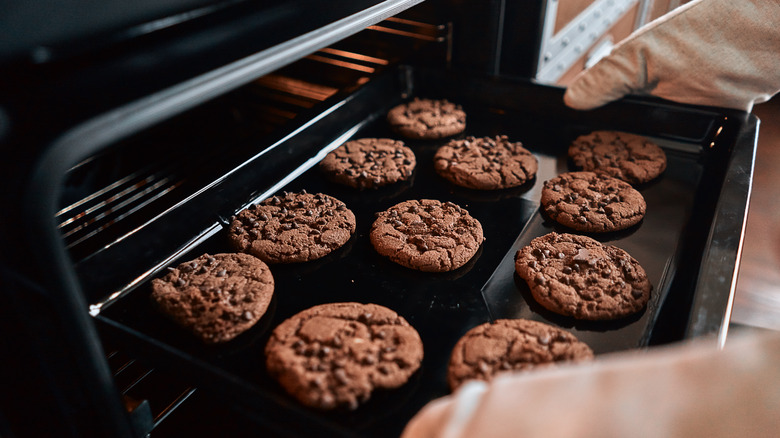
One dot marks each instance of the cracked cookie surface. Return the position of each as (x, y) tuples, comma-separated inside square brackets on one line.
[(632, 158), (369, 163), (215, 297), (335, 355), (294, 227), (592, 203), (427, 119), (577, 276), (485, 163), (427, 235), (511, 345)]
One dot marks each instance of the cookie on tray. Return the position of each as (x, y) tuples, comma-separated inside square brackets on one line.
[(292, 228), (427, 119), (577, 276), (485, 163), (335, 355), (216, 297), (632, 158), (427, 235), (592, 203), (511, 345), (369, 163)]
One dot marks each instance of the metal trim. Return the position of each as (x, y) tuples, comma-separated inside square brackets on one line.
[(720, 265)]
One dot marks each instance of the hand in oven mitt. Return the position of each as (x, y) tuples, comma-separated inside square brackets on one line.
[(688, 390), (722, 53)]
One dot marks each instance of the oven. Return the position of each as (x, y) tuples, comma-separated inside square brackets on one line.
[(130, 139)]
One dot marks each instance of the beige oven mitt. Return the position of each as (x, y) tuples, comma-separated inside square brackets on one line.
[(722, 53), (687, 390)]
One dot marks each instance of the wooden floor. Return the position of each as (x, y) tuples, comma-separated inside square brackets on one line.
[(757, 300)]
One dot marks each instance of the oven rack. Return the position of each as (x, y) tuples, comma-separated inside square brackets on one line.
[(112, 194)]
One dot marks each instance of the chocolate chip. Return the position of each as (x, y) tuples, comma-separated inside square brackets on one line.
[(248, 315), (582, 255), (341, 376), (221, 273), (327, 399), (539, 279)]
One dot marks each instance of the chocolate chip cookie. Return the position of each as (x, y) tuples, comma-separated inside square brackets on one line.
[(335, 355), (427, 235), (632, 158), (294, 227), (511, 345), (485, 163), (369, 163), (592, 203), (579, 277), (215, 297), (426, 119)]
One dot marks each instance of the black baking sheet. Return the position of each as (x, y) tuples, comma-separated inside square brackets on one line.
[(653, 242), (440, 306)]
